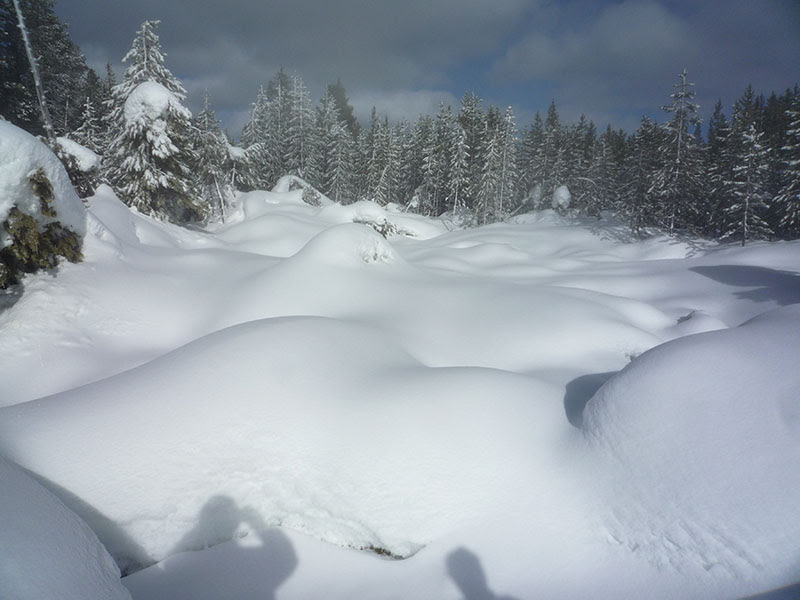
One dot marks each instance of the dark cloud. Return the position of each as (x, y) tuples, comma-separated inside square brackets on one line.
[(620, 61), (611, 60)]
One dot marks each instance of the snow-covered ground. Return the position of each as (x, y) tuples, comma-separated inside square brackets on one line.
[(254, 411)]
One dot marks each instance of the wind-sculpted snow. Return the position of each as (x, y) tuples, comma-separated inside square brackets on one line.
[(309, 380), (712, 423), (46, 551), (316, 424)]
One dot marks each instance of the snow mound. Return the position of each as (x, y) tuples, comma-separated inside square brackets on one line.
[(320, 425), (21, 155), (389, 222), (150, 101), (718, 413), (349, 245), (561, 198), (85, 159), (46, 551)]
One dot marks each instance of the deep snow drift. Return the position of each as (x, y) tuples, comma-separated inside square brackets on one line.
[(262, 408)]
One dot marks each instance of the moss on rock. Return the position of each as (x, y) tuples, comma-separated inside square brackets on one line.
[(33, 247)]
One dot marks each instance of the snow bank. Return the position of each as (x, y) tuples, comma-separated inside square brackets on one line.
[(85, 159), (704, 437), (46, 551), (320, 425), (21, 155), (295, 369)]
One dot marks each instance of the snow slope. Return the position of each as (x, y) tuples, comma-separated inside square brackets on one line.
[(292, 387), (45, 550)]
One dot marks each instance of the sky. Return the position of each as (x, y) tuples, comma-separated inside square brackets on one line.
[(613, 61)]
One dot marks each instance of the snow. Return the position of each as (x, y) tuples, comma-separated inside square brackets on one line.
[(561, 198), (86, 159), (150, 101), (250, 409), (21, 155), (46, 551)]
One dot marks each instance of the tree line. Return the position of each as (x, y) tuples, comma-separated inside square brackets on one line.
[(740, 181)]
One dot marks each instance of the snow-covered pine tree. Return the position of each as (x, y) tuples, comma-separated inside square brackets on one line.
[(530, 156), (551, 157), (344, 110), (578, 155), (458, 184), (472, 121), (387, 160), (90, 132), (211, 149), (436, 161), (150, 157), (788, 198), (339, 183), (679, 178), (412, 162), (488, 194), (719, 170), (61, 67), (300, 127), (745, 214), (637, 201), (255, 170), (507, 136), (324, 145)]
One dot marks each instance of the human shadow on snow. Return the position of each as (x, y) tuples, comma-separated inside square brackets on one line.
[(262, 566), (464, 567), (782, 287), (579, 391)]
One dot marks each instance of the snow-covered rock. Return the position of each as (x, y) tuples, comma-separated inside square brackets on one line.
[(21, 155), (46, 551)]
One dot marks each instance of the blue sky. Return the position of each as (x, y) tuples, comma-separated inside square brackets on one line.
[(613, 61)]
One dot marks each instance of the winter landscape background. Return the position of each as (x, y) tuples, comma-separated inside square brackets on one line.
[(437, 358)]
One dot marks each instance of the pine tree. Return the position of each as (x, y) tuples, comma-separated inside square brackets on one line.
[(90, 132), (638, 203), (507, 137), (472, 121), (551, 154), (678, 180), (61, 65), (458, 185), (490, 183), (719, 160), (745, 214), (530, 161), (788, 198), (211, 149), (149, 159), (387, 157), (255, 172), (339, 178), (300, 126), (344, 110)]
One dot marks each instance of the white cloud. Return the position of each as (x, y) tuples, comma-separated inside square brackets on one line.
[(401, 104)]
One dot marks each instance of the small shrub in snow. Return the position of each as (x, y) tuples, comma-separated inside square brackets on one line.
[(385, 227)]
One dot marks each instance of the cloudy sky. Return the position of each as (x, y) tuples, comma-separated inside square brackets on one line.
[(613, 61)]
